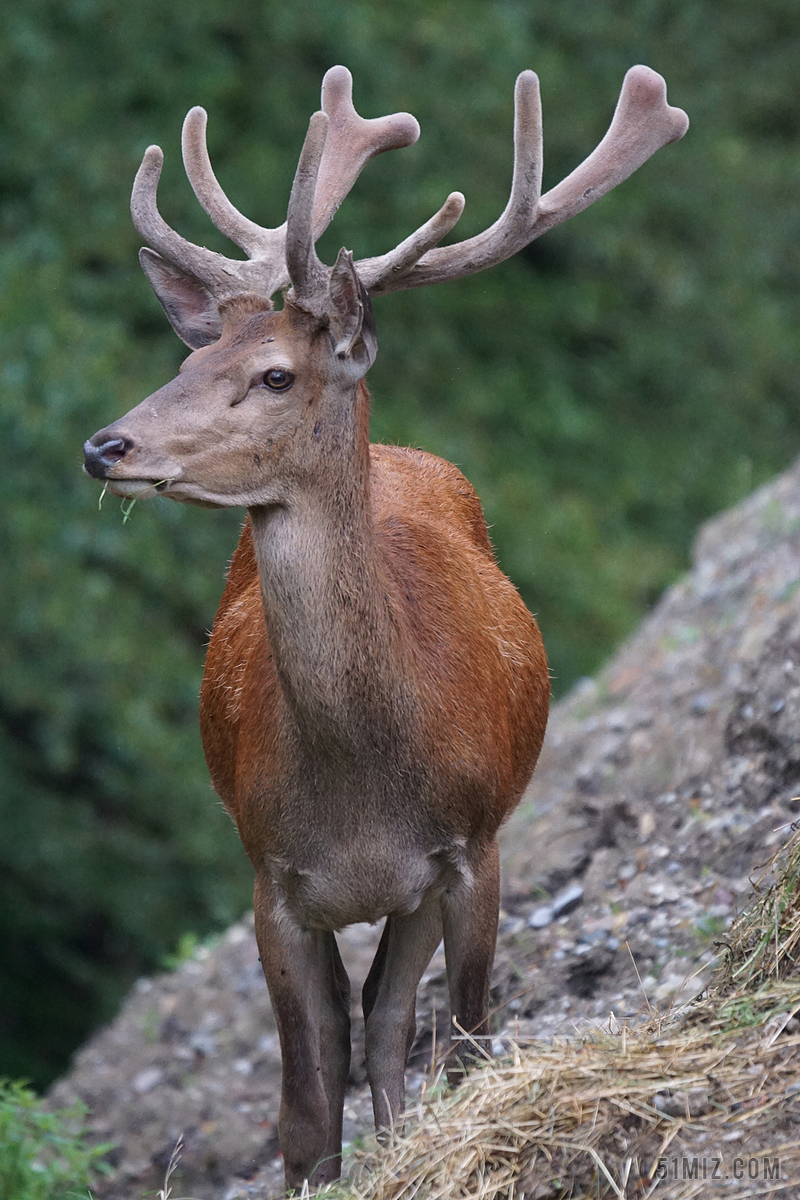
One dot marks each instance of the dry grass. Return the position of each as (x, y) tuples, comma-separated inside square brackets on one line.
[(764, 945), (660, 1109)]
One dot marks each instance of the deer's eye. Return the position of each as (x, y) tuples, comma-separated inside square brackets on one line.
[(278, 380)]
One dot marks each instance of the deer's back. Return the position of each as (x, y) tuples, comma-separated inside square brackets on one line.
[(476, 647)]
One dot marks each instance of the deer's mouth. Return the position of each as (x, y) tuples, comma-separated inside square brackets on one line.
[(147, 489), (136, 489)]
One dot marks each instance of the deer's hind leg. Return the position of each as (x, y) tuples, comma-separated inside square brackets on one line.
[(470, 909), (310, 995)]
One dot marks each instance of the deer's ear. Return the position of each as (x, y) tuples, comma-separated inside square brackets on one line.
[(352, 322), (192, 310)]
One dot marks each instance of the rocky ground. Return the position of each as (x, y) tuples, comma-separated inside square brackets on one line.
[(664, 783)]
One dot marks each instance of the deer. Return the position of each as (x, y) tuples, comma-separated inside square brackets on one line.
[(375, 692)]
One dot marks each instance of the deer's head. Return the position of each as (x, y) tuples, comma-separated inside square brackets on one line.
[(267, 396)]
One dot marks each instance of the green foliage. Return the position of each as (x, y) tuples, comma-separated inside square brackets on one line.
[(190, 947), (186, 950), (625, 377), (43, 1155)]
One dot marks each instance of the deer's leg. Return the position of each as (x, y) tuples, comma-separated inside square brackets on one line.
[(469, 915), (389, 999), (334, 1044), (310, 998)]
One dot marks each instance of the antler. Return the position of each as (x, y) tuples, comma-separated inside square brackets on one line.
[(351, 143), (643, 122), (339, 144)]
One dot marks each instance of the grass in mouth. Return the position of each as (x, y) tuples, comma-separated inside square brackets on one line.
[(126, 507)]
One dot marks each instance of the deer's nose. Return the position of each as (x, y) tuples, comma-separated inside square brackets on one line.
[(102, 452)]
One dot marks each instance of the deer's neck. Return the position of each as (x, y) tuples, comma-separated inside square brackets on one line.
[(327, 608)]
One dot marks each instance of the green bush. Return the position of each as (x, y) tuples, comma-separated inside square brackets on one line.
[(43, 1155)]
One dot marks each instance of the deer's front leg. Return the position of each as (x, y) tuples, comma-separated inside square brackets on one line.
[(470, 910), (389, 998), (310, 996)]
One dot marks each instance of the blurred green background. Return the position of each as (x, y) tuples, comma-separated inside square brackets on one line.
[(606, 391)]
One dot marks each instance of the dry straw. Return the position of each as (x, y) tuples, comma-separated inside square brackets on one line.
[(695, 1103)]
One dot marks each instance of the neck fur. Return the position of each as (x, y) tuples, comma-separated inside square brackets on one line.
[(326, 603)]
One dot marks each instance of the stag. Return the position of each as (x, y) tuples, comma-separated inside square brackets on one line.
[(375, 692)]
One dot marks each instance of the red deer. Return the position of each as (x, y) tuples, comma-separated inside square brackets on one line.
[(375, 692)]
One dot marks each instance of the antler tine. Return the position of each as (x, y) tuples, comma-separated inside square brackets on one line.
[(373, 272), (352, 142), (221, 275), (256, 241), (511, 231), (643, 122), (308, 275)]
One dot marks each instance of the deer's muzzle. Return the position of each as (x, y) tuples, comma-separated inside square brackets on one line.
[(102, 452)]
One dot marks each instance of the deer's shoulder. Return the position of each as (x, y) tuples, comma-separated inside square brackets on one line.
[(413, 487)]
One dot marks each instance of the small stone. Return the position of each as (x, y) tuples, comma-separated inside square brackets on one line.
[(566, 900), (237, 934), (647, 824), (664, 892), (586, 778), (204, 1043), (617, 719), (540, 917), (147, 1079)]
